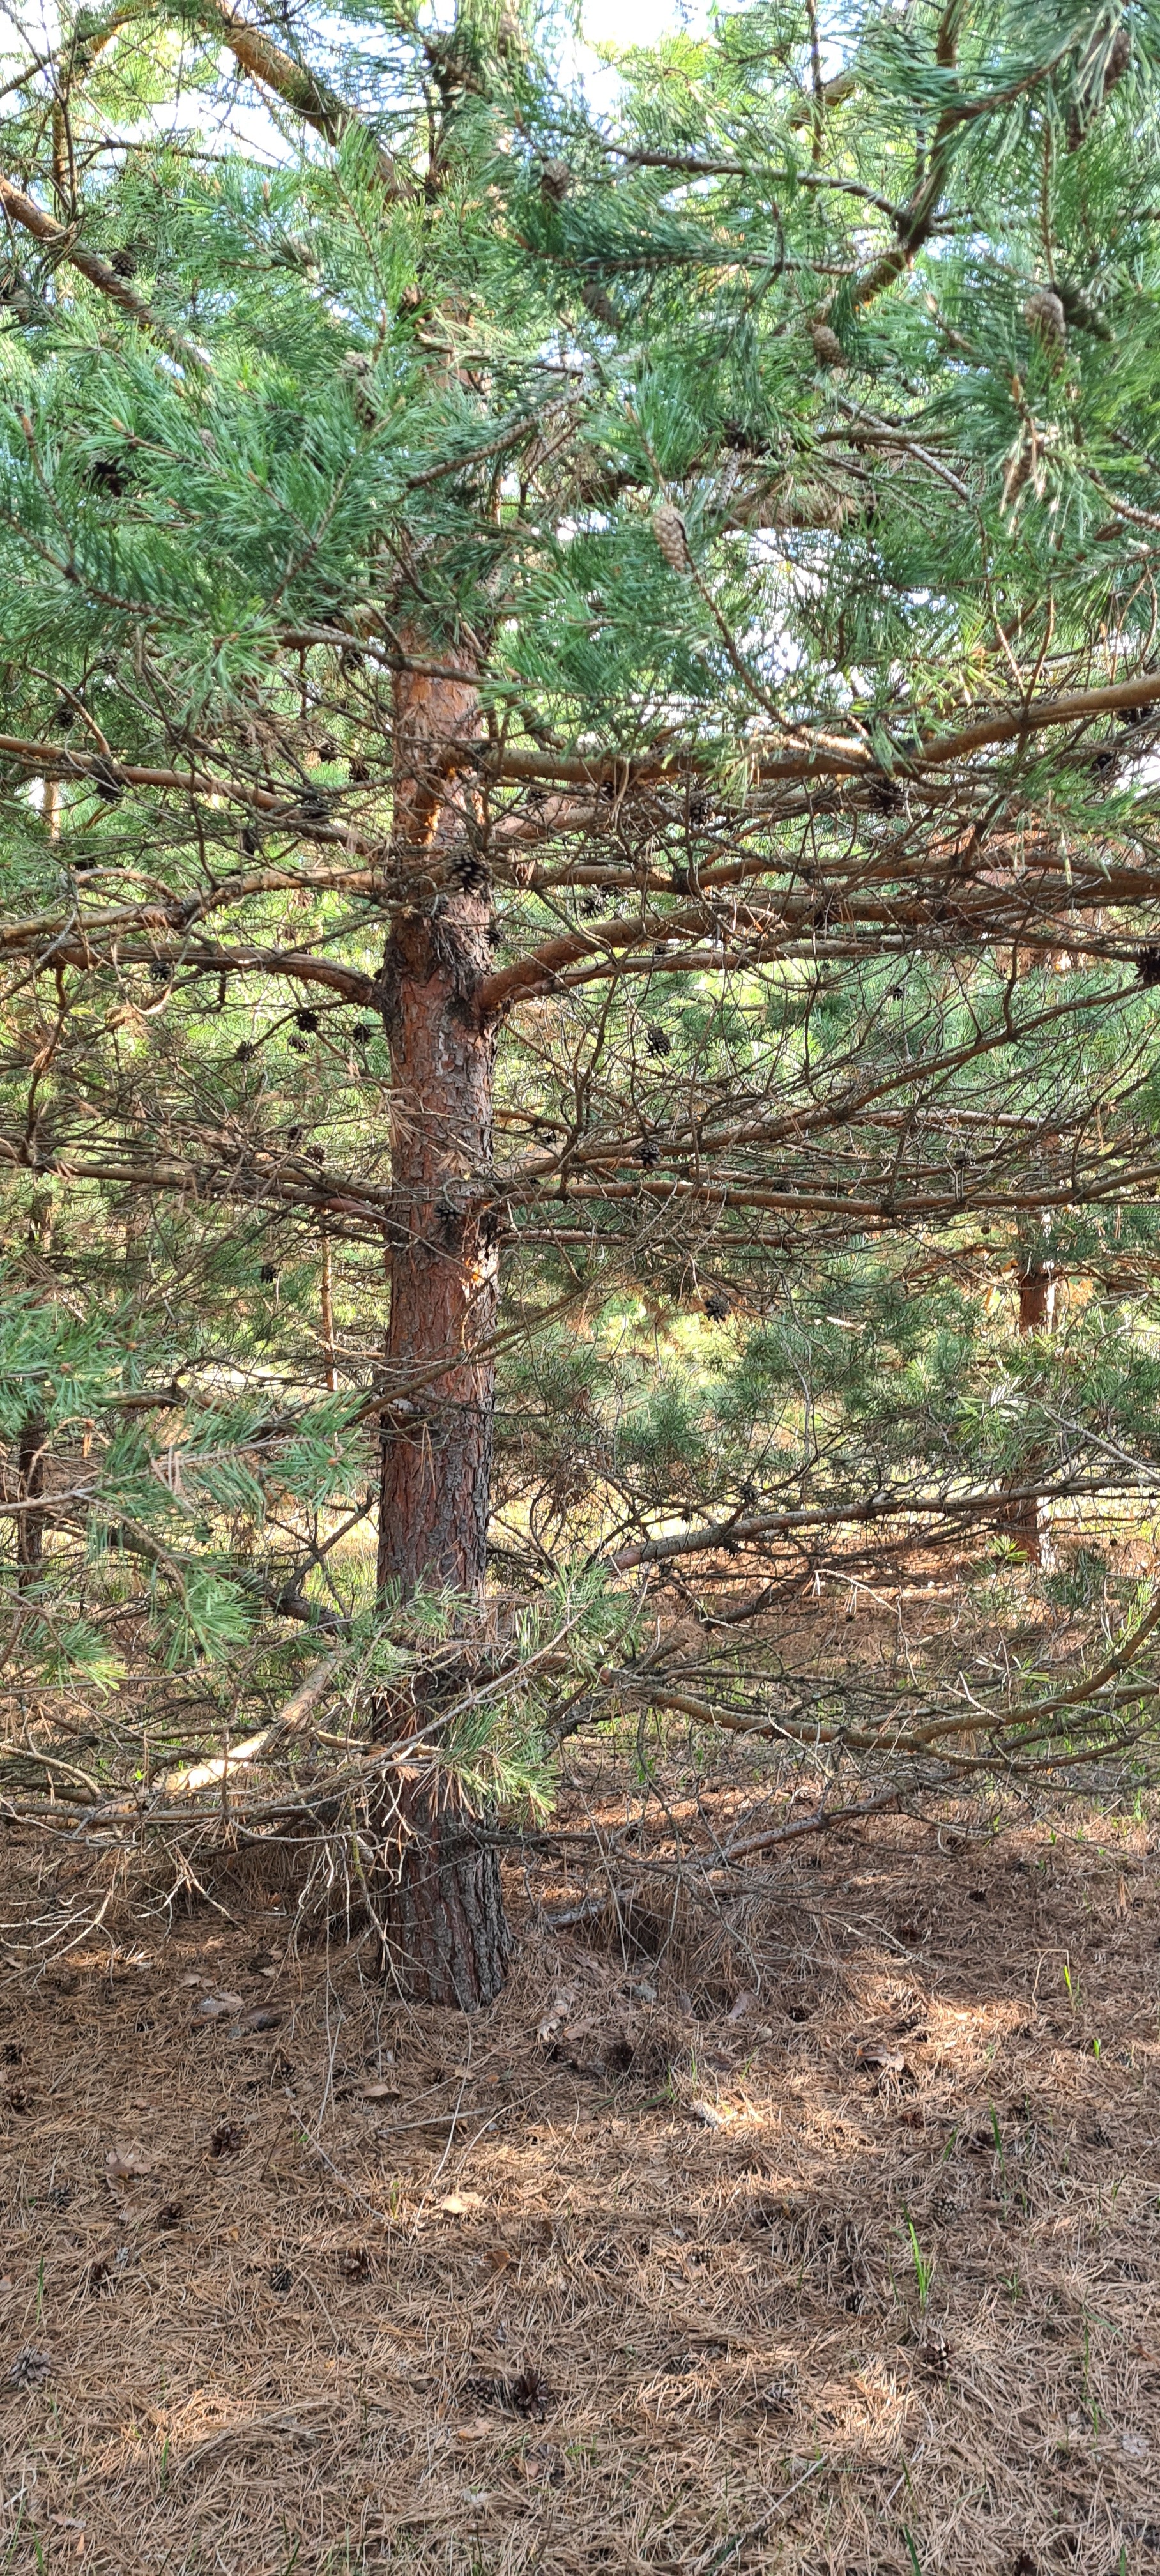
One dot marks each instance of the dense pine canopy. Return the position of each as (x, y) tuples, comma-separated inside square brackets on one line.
[(669, 566)]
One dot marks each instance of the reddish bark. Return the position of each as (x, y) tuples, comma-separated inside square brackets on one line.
[(447, 1941), (1037, 1298), (1023, 1522), (444, 1269)]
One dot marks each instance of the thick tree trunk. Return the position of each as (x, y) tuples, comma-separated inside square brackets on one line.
[(446, 1937), (447, 1941), (444, 1278)]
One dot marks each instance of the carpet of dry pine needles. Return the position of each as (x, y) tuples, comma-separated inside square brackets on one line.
[(824, 2241)]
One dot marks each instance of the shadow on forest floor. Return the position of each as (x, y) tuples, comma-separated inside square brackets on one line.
[(843, 2261)]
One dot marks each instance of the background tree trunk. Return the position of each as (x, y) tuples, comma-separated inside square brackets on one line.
[(447, 1940), (30, 1524), (327, 1304), (1025, 1522)]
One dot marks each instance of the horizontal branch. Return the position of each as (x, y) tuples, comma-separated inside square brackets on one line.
[(974, 1502), (834, 758), (61, 242), (887, 1207), (112, 921), (248, 1180), (104, 770), (295, 963)]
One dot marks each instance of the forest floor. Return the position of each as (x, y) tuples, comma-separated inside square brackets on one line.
[(832, 2248)]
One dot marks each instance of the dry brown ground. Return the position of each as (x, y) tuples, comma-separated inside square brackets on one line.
[(631, 2274)]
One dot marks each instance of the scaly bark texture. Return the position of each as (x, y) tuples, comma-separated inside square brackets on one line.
[(444, 1269), (446, 1939)]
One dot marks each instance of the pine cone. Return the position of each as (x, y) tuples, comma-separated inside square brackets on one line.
[(106, 782), (1085, 107), (600, 306), (1119, 58), (555, 181), (468, 873), (1044, 313), (743, 442), (828, 348), (307, 1020), (106, 473), (717, 1305), (1080, 313), (649, 1154), (669, 531), (1017, 473), (659, 1042)]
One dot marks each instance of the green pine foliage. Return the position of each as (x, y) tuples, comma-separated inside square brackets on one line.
[(749, 440)]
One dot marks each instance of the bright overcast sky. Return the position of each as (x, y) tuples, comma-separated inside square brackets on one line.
[(624, 22), (30, 26), (637, 22)]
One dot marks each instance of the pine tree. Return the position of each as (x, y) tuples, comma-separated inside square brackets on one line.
[(577, 719)]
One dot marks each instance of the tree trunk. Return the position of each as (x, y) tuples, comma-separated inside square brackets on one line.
[(447, 1942), (1024, 1522), (30, 1523), (328, 1314)]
